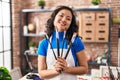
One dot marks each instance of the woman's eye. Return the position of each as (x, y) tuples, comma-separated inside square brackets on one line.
[(61, 15), (68, 19)]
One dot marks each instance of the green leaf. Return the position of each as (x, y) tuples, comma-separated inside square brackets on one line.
[(4, 74), (31, 44), (41, 3), (96, 2)]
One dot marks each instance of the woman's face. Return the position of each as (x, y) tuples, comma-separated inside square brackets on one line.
[(63, 20)]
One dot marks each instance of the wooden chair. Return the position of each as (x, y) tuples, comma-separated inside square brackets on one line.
[(16, 73)]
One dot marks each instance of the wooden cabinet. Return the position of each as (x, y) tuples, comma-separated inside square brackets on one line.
[(94, 25)]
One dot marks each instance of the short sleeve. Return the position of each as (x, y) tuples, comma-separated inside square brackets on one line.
[(42, 47), (78, 45)]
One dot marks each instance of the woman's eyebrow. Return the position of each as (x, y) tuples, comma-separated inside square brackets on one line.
[(64, 13)]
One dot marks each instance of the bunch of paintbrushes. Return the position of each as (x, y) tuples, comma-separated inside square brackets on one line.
[(58, 45)]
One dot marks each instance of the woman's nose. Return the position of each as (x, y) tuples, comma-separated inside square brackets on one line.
[(63, 19)]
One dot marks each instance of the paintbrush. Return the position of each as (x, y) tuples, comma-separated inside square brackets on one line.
[(51, 46), (57, 41), (63, 43), (71, 42)]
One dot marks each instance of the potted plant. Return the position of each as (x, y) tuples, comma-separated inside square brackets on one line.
[(31, 45), (41, 3), (96, 2), (4, 74)]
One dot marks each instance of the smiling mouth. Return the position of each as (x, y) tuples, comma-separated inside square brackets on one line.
[(62, 23)]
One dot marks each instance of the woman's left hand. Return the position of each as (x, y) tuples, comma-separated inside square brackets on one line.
[(61, 64)]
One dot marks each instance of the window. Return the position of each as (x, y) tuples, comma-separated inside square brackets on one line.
[(5, 34)]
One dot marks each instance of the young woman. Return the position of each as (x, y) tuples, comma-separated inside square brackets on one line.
[(61, 55)]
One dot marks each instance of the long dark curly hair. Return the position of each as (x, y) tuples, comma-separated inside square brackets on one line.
[(73, 26)]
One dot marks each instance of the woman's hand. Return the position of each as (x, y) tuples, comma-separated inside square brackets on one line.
[(60, 64)]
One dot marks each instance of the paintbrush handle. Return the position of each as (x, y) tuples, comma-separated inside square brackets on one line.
[(58, 47), (51, 47), (72, 40), (62, 48), (68, 50)]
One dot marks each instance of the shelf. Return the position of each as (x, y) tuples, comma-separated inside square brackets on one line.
[(37, 10), (34, 35), (95, 63), (74, 9), (41, 34), (31, 53)]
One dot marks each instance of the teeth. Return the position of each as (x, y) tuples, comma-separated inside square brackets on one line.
[(63, 24)]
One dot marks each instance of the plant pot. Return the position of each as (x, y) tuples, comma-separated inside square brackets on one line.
[(94, 6), (41, 7)]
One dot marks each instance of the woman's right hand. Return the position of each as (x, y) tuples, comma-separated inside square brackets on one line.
[(60, 64)]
